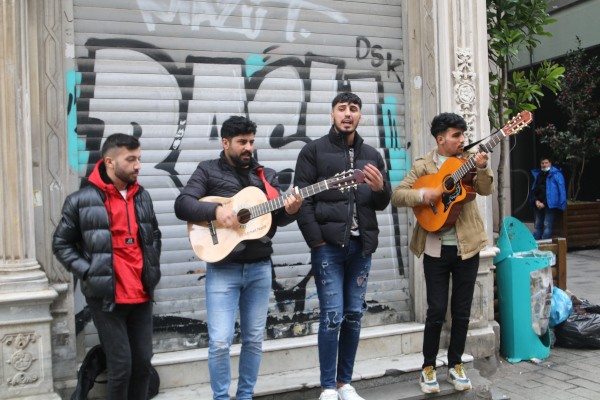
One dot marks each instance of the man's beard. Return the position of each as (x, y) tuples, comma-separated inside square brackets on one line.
[(241, 163), (127, 178), (342, 131)]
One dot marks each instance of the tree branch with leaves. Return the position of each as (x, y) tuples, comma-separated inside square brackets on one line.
[(514, 25), (580, 141)]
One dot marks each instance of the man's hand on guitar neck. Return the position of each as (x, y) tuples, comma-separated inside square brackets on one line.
[(481, 159), (293, 201)]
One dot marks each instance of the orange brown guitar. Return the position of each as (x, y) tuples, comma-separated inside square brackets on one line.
[(213, 242), (453, 183)]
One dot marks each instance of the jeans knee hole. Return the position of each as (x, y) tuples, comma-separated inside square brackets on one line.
[(333, 320)]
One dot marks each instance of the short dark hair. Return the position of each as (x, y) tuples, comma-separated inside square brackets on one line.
[(347, 97), (546, 158), (443, 121), (119, 140), (237, 125)]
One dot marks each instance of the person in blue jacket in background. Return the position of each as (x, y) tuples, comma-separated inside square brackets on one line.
[(548, 195)]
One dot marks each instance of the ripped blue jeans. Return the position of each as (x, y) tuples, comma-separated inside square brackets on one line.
[(341, 278)]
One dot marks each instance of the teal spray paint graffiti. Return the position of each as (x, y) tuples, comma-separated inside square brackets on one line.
[(78, 157)]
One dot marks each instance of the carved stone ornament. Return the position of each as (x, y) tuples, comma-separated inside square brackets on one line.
[(464, 89), (21, 360)]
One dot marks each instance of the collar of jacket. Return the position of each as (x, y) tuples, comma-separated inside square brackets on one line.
[(100, 179), (339, 140)]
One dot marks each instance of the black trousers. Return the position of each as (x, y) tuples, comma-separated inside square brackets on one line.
[(438, 272), (126, 336)]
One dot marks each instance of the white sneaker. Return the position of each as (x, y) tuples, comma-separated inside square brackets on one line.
[(458, 378), (428, 381), (329, 394), (347, 392)]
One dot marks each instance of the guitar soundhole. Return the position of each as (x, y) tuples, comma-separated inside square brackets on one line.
[(243, 216), (449, 184)]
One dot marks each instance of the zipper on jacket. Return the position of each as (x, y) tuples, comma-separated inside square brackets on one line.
[(127, 213), (349, 160)]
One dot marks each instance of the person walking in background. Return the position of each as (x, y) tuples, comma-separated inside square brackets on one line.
[(548, 196), (342, 232), (451, 253), (108, 237), (241, 280)]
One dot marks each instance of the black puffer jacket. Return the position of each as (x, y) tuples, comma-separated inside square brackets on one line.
[(82, 242), (218, 178), (327, 216)]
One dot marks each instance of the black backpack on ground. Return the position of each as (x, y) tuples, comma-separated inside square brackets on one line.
[(94, 363)]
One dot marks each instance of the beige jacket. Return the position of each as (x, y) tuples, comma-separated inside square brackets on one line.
[(470, 230)]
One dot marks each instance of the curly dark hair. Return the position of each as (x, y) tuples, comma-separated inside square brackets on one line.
[(237, 125), (347, 97), (444, 121)]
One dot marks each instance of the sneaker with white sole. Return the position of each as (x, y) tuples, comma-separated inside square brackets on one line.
[(428, 380), (347, 392), (329, 394), (458, 378)]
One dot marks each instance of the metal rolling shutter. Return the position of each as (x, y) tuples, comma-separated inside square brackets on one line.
[(171, 71)]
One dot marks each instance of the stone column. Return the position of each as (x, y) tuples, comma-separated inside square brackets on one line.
[(25, 295)]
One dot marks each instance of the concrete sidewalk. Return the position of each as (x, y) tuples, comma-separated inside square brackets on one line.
[(567, 373)]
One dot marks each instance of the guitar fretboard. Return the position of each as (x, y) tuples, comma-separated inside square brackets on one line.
[(470, 164), (279, 202)]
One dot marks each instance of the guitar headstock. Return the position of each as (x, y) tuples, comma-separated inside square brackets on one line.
[(346, 179), (516, 124)]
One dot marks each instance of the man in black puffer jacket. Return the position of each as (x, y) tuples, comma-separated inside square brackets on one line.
[(341, 230), (109, 239), (242, 280)]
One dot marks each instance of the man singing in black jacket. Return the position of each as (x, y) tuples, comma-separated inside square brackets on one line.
[(341, 230)]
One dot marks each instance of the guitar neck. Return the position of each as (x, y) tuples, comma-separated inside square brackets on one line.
[(470, 164), (279, 202)]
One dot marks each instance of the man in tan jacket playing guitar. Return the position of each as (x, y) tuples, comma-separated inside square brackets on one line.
[(450, 232)]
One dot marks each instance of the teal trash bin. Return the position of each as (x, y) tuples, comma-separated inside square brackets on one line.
[(524, 281)]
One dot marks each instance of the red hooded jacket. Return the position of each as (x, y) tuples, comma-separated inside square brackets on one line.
[(127, 251)]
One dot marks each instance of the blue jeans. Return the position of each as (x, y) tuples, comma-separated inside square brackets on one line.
[(229, 287), (544, 221), (341, 278), (126, 337), (437, 280)]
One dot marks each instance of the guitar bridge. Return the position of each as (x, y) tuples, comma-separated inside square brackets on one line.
[(213, 232)]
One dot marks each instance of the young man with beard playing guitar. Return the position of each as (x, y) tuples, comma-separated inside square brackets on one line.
[(243, 278), (451, 252)]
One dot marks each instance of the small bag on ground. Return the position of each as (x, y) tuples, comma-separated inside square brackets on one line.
[(93, 364)]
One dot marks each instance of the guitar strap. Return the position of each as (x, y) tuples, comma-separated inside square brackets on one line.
[(271, 191)]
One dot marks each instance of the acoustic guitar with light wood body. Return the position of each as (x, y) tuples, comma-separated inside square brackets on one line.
[(212, 242), (454, 181)]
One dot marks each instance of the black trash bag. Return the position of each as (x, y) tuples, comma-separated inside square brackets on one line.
[(94, 363), (579, 331), (587, 307)]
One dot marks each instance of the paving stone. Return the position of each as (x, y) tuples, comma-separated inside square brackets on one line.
[(583, 393)]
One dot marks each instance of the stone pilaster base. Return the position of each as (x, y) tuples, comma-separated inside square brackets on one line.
[(25, 340)]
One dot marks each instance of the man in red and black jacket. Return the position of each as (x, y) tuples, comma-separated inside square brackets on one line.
[(108, 237)]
